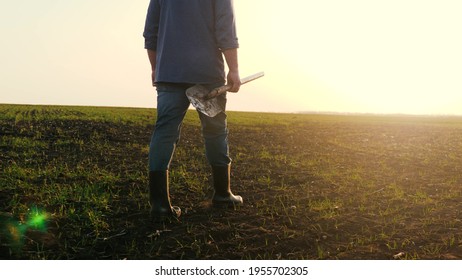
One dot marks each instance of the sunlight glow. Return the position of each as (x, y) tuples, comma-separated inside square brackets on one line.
[(394, 56), (363, 56)]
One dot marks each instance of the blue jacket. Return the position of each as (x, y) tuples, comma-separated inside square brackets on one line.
[(189, 37)]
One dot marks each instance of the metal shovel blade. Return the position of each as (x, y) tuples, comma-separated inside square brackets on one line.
[(197, 96), (205, 101)]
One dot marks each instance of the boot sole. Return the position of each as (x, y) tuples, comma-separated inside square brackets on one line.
[(226, 204), (174, 216)]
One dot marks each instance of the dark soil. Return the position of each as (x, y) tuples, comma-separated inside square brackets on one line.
[(320, 187)]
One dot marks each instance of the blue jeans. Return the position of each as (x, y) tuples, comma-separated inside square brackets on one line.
[(172, 105)]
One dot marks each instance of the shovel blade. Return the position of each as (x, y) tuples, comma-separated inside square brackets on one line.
[(209, 107)]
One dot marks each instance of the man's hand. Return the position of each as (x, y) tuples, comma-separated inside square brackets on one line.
[(233, 74), (234, 80)]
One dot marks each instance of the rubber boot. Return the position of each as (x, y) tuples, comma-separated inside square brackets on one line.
[(223, 197), (159, 198)]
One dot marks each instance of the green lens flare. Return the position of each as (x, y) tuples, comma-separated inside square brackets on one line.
[(37, 219), (15, 231)]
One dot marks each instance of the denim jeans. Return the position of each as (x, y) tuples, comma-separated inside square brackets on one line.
[(172, 105)]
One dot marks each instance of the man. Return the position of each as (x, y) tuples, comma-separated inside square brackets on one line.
[(186, 41)]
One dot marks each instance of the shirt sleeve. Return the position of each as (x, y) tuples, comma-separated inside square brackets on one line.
[(225, 25), (151, 27)]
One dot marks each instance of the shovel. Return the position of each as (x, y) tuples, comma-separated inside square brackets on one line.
[(204, 100)]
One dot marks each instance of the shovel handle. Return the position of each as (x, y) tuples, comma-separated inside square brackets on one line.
[(220, 90)]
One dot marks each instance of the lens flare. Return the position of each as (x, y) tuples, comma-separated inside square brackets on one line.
[(16, 230), (37, 219)]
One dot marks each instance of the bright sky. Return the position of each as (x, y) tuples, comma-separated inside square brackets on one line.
[(369, 56)]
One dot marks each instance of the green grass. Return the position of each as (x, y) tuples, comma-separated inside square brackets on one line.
[(73, 185)]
